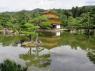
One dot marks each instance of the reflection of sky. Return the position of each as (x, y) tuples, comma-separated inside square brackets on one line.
[(11, 53), (63, 58), (67, 59)]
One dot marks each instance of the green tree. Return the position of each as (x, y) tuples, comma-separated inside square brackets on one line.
[(29, 29), (73, 21), (42, 22), (92, 17), (5, 21)]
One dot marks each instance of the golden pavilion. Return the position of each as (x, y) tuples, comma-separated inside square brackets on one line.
[(53, 18)]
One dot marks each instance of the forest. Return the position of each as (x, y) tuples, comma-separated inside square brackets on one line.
[(25, 21)]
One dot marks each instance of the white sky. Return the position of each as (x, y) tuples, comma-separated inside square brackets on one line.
[(16, 5)]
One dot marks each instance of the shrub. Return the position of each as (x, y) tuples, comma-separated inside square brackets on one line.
[(11, 66)]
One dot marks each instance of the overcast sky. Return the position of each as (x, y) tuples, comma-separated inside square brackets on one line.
[(16, 5)]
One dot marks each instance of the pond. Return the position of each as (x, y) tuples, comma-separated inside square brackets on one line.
[(67, 52)]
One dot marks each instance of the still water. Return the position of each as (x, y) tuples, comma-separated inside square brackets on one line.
[(67, 52)]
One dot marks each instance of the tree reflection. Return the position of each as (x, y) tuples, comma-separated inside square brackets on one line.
[(9, 40), (91, 55), (36, 58)]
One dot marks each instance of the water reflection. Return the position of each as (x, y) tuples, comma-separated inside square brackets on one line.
[(91, 55), (37, 58), (8, 40), (64, 58), (67, 52), (58, 33), (53, 33)]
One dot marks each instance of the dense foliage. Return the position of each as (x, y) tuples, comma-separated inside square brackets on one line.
[(77, 17), (11, 66)]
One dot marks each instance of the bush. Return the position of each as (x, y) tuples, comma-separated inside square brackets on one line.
[(11, 66)]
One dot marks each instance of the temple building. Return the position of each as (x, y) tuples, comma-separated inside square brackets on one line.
[(53, 18)]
